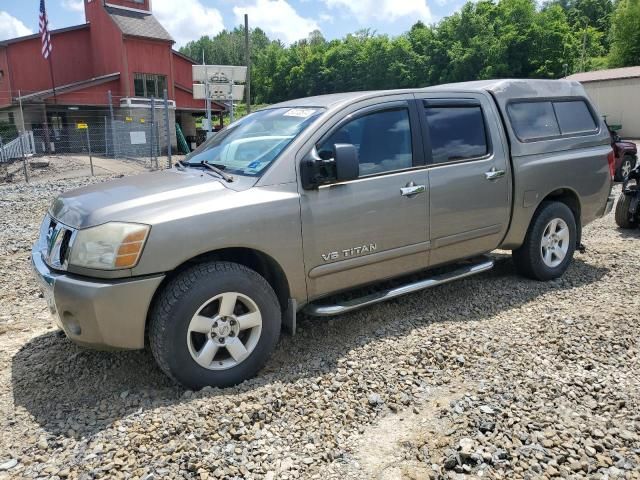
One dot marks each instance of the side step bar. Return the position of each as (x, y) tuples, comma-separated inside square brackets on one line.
[(325, 310)]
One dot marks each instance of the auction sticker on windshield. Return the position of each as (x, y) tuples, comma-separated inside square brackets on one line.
[(299, 112)]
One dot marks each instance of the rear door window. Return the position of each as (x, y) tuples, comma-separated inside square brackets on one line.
[(574, 117), (533, 120), (456, 133)]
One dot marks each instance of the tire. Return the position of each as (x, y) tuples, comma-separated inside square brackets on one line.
[(201, 313), (532, 259), (622, 210), (626, 165)]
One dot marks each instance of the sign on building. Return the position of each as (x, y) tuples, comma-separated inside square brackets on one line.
[(219, 73), (218, 91), (220, 81), (138, 138)]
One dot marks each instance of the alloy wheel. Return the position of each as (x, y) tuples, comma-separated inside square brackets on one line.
[(224, 331), (555, 242)]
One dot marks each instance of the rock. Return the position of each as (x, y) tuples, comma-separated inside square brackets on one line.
[(466, 447), (8, 465), (38, 164), (375, 399), (486, 409), (499, 455), (451, 461), (487, 426)]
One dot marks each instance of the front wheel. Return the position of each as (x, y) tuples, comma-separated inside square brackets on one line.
[(214, 324), (549, 244)]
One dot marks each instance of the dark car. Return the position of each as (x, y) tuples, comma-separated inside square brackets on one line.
[(626, 154)]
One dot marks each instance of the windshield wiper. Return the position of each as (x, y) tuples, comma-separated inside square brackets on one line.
[(217, 170), (181, 165)]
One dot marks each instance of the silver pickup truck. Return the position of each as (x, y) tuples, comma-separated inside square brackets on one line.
[(294, 205)]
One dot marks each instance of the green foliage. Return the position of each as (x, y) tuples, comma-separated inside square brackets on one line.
[(484, 39), (625, 34), (8, 131)]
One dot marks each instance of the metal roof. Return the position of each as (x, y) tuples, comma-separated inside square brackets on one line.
[(138, 24), (9, 41), (610, 74), (70, 87)]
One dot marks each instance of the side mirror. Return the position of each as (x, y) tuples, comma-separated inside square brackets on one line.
[(316, 171), (347, 163)]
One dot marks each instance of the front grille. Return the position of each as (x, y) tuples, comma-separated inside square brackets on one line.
[(57, 242)]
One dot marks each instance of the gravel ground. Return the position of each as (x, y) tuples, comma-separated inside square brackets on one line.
[(57, 166), (493, 376)]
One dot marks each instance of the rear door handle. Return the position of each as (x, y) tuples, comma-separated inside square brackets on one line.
[(412, 189), (494, 174)]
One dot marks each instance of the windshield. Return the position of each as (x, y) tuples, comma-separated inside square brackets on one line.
[(248, 146)]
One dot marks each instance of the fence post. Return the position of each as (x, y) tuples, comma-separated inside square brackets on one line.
[(113, 126), (168, 129), (24, 158), (106, 143), (1, 150), (153, 121), (89, 148)]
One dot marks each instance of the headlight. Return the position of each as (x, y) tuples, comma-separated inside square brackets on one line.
[(112, 246)]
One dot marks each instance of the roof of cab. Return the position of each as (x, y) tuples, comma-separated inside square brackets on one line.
[(503, 89)]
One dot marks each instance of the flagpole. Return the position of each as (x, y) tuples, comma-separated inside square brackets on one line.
[(53, 82), (47, 47)]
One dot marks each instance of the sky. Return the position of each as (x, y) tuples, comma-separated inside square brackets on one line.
[(288, 20)]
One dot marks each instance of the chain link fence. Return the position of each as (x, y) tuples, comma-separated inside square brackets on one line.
[(75, 138)]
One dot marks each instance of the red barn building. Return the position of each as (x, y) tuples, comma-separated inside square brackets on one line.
[(121, 49)]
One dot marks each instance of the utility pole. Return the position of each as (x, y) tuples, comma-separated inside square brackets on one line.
[(168, 129), (153, 122), (231, 96), (247, 56), (21, 111), (584, 45), (207, 100), (113, 126)]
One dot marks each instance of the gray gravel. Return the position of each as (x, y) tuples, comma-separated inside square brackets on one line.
[(493, 376)]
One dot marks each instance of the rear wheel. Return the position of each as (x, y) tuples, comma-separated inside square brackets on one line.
[(623, 217), (214, 324), (625, 168), (549, 244)]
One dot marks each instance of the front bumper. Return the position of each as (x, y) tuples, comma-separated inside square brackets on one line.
[(610, 201), (95, 312)]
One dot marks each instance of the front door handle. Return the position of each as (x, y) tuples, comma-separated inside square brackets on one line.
[(494, 174), (411, 189)]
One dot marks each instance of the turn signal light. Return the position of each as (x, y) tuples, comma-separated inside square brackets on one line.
[(130, 249)]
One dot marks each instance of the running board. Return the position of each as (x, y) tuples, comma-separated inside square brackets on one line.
[(325, 310)]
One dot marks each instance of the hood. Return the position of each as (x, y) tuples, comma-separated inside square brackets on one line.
[(145, 198)]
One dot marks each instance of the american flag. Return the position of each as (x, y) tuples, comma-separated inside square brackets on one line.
[(44, 31)]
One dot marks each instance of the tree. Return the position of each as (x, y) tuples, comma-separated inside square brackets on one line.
[(625, 34), (484, 39)]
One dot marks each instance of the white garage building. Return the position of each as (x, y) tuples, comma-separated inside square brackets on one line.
[(616, 93)]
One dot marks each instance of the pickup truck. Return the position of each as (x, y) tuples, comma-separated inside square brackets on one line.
[(290, 207)]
